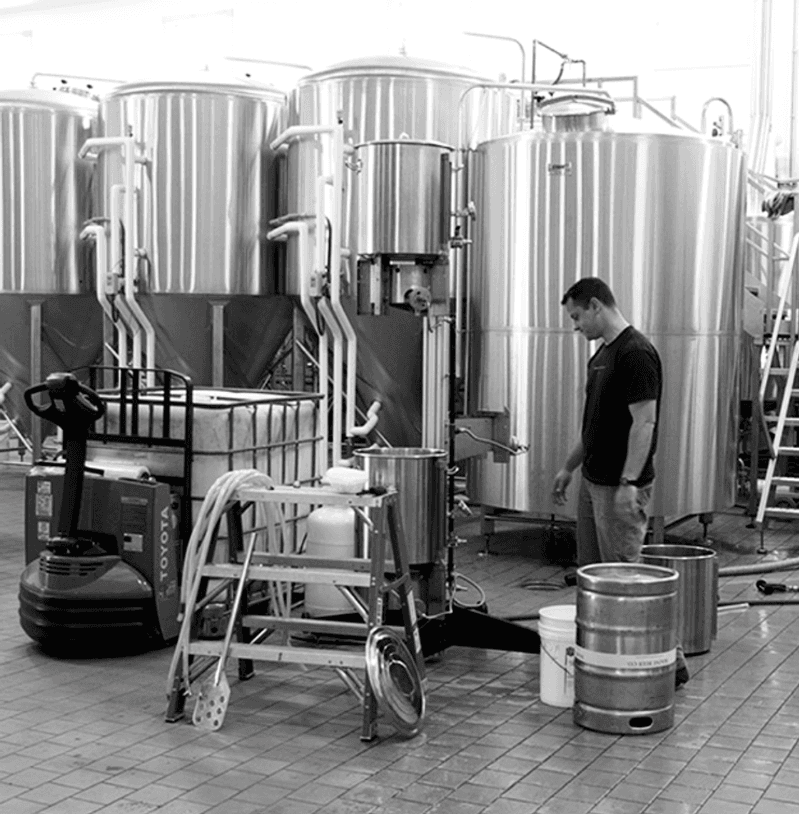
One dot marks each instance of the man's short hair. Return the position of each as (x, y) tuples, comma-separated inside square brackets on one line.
[(583, 291)]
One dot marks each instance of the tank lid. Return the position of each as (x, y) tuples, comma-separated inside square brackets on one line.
[(392, 65), (49, 100), (439, 145), (199, 84), (575, 112), (627, 579)]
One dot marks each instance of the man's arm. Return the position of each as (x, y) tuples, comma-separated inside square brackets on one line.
[(639, 442), (563, 478)]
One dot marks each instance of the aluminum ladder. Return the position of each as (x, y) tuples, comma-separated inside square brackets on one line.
[(785, 422), (380, 514)]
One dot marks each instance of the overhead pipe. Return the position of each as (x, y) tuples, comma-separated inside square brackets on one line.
[(506, 39), (762, 80), (726, 104), (301, 229)]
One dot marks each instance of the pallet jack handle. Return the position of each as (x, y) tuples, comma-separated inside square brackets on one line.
[(74, 408)]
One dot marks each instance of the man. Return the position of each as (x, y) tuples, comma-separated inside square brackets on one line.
[(619, 434)]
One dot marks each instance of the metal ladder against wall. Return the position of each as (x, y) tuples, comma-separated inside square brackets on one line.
[(380, 514), (785, 422)]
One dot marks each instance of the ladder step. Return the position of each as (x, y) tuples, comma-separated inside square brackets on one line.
[(279, 573), (774, 511), (785, 480), (311, 625), (269, 652), (789, 422), (788, 450)]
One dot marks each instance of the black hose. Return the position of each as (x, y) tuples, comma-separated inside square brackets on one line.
[(527, 617)]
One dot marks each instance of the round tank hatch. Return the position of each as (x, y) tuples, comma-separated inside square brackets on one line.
[(391, 65), (574, 113)]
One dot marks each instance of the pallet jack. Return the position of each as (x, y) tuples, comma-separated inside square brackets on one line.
[(106, 578)]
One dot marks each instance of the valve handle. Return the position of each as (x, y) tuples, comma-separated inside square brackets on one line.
[(768, 588)]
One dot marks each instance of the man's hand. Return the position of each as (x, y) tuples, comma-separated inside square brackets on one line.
[(626, 499), (562, 480)]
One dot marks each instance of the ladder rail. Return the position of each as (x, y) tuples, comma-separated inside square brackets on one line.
[(776, 442), (787, 277)]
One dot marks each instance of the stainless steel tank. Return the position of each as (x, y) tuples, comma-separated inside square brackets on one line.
[(51, 320), (658, 216), (205, 197), (403, 194), (385, 99)]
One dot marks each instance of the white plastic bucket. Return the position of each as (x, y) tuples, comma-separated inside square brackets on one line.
[(558, 631)]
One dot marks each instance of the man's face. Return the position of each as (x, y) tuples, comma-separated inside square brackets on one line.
[(585, 320)]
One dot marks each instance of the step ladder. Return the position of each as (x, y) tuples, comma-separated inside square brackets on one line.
[(784, 445), (387, 652)]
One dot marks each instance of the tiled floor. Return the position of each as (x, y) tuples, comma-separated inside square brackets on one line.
[(84, 736)]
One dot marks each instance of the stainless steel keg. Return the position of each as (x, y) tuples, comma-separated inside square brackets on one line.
[(625, 655)]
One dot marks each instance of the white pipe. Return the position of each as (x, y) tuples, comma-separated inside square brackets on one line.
[(302, 230), (134, 315), (371, 420), (97, 232), (92, 146), (338, 361), (130, 259), (335, 315), (335, 276), (330, 320), (116, 263), (301, 130)]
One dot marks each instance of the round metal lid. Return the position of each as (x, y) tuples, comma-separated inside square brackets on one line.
[(214, 85), (392, 65), (626, 579), (412, 453), (438, 145), (395, 680), (64, 101), (575, 112)]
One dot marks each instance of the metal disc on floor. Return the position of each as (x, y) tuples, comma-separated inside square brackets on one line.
[(395, 680)]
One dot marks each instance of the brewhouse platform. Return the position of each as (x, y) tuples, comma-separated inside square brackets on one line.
[(86, 736)]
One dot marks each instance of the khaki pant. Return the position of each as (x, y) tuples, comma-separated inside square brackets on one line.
[(604, 535)]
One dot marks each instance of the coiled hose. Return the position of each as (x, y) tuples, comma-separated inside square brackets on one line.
[(221, 495)]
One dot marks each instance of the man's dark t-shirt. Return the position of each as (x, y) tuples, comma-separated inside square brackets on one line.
[(626, 371)]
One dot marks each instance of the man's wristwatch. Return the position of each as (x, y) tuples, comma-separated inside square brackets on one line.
[(625, 482)]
